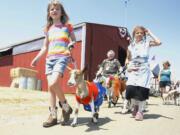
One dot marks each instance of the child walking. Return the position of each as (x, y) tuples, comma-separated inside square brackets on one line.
[(59, 38), (139, 73)]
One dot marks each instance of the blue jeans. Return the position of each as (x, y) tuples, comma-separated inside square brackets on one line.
[(56, 65)]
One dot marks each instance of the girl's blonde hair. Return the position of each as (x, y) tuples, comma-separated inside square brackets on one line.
[(64, 17), (137, 28)]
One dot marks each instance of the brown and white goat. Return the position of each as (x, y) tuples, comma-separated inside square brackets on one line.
[(86, 94)]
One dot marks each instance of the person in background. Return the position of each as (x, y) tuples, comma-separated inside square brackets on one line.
[(165, 78), (109, 67), (59, 38)]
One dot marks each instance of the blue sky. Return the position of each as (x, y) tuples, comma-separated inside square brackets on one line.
[(22, 20)]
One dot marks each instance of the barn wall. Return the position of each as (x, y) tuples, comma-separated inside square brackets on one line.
[(20, 60), (100, 39), (5, 66), (24, 60)]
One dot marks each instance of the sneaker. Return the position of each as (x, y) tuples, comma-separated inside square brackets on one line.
[(50, 122), (66, 115), (135, 110), (139, 116)]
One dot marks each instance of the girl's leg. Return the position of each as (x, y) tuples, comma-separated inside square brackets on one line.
[(52, 94), (139, 115), (134, 106), (141, 105), (55, 87), (52, 119), (163, 95), (162, 91)]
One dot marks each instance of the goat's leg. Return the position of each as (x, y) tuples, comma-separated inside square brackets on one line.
[(121, 93), (125, 106), (74, 123), (109, 95), (94, 114), (178, 99)]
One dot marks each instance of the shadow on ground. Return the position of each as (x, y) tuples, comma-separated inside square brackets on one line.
[(91, 126), (156, 116)]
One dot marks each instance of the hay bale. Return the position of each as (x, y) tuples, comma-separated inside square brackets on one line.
[(20, 77), (20, 71)]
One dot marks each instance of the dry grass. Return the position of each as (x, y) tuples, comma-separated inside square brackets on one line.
[(16, 103)]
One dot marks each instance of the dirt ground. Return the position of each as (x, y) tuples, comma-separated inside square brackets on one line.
[(23, 111)]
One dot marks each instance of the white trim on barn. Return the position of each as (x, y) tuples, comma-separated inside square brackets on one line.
[(29, 47), (5, 49), (83, 46)]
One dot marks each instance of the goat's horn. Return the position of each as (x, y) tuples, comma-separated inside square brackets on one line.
[(68, 68)]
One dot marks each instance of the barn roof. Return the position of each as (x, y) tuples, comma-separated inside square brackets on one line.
[(36, 43)]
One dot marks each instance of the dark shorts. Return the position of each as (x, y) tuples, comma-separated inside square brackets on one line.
[(163, 84), (137, 92)]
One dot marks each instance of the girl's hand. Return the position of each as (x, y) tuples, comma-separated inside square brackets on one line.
[(147, 31), (71, 45), (155, 41)]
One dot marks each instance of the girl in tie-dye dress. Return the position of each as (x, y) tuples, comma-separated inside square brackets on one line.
[(139, 73)]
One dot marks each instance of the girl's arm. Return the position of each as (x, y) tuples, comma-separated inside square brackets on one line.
[(73, 38), (41, 52), (73, 41), (159, 76), (156, 41), (128, 57)]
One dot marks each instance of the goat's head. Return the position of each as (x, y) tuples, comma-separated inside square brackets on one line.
[(76, 76)]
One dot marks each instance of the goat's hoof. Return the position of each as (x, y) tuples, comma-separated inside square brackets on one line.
[(96, 115), (114, 103), (94, 121), (73, 124)]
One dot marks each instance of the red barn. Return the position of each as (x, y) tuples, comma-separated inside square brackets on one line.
[(93, 42)]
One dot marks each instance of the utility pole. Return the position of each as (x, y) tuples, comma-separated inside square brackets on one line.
[(125, 11)]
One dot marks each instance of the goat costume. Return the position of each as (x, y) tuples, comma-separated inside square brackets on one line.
[(97, 91)]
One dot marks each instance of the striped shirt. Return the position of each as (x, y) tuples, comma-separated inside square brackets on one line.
[(59, 38)]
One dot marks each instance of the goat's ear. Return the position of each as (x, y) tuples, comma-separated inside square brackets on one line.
[(84, 69)]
